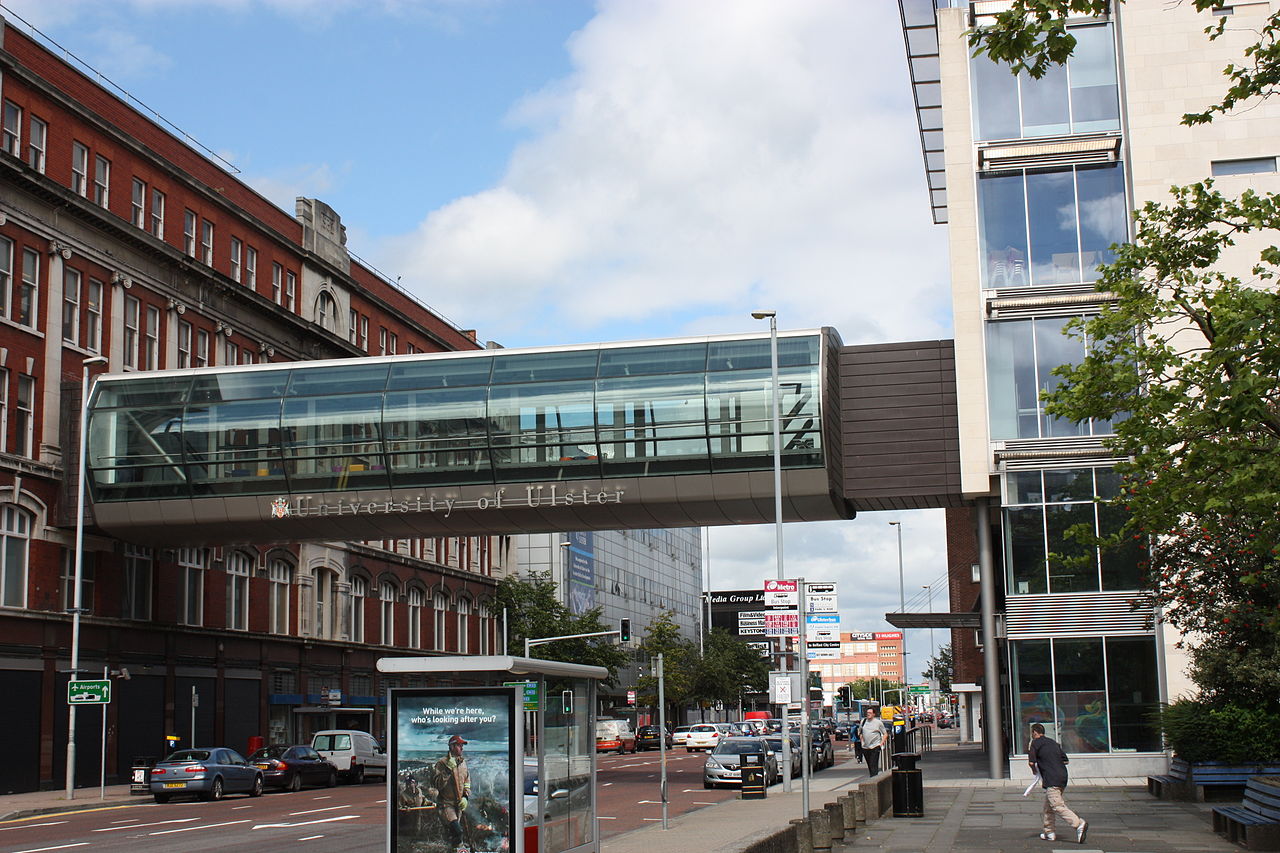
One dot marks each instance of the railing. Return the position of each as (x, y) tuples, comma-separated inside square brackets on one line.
[(918, 739)]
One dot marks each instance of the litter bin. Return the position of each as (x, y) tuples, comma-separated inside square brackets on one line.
[(140, 781), (908, 786), (754, 776)]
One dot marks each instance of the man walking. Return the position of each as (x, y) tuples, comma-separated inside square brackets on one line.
[(871, 736), (1047, 759)]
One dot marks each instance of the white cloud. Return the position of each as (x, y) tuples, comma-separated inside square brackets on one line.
[(311, 180), (703, 158)]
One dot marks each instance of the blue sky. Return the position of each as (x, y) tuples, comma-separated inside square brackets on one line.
[(557, 171)]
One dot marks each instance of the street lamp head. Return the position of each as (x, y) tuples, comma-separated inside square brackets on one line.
[(94, 359), (763, 315)]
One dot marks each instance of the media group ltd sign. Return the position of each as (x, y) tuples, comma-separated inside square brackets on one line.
[(527, 497)]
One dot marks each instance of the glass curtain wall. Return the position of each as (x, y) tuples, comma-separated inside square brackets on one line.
[(1049, 517), (1092, 694), (585, 414)]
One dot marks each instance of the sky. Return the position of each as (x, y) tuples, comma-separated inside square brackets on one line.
[(556, 172)]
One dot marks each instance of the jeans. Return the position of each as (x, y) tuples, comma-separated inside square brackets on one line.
[(873, 759)]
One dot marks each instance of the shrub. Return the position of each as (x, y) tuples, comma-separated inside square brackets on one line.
[(1201, 731)]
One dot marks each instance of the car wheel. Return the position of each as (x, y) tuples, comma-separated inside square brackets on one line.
[(256, 790), (162, 798), (295, 784), (357, 775), (215, 791), (332, 780), (707, 785)]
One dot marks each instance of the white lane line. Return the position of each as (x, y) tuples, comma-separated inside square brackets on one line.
[(238, 808), (311, 838), (201, 826), (648, 802), (305, 822), (605, 784), (28, 825), (59, 847), (653, 818), (602, 817), (700, 803), (313, 811), (381, 802), (125, 820), (325, 797), (141, 825)]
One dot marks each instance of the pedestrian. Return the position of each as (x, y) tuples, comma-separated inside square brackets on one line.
[(871, 735), (1049, 762), (451, 781)]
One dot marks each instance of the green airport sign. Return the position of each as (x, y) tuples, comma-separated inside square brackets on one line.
[(88, 692)]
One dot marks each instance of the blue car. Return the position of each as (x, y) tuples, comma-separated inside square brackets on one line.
[(206, 773)]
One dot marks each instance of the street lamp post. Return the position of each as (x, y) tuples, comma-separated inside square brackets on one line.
[(902, 599), (932, 654), (78, 567), (775, 402)]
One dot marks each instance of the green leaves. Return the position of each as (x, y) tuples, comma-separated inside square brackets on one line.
[(534, 610)]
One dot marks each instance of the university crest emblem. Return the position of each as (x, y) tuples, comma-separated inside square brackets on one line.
[(279, 508)]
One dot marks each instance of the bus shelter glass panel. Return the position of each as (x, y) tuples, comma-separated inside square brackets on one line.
[(568, 756)]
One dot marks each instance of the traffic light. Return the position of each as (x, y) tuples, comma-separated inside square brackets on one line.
[(844, 696), (624, 630)]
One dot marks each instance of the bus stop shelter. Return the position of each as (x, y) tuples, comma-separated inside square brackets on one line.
[(532, 719)]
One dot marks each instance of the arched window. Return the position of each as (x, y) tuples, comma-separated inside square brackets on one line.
[(327, 311), (464, 622), (15, 531), (486, 628), (439, 604), (192, 563), (416, 600), (387, 595), (238, 565), (281, 577), (359, 591), (326, 610)]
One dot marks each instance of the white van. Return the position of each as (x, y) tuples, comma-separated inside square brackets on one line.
[(356, 754)]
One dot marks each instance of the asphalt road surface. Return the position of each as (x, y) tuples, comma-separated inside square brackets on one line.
[(346, 819)]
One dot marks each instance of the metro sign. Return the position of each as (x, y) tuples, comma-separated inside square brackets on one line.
[(781, 593)]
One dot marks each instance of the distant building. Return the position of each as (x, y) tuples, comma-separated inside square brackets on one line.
[(864, 655), (120, 243)]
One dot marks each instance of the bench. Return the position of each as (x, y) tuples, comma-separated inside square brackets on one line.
[(1206, 781), (1255, 823)]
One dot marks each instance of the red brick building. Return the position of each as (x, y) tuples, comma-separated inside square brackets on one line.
[(124, 248)]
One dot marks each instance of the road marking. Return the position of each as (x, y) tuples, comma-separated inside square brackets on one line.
[(603, 817), (325, 797), (25, 825), (141, 825), (238, 808), (605, 784), (648, 802), (311, 838), (653, 818), (313, 811), (305, 822), (125, 820), (59, 847), (202, 826), (700, 803)]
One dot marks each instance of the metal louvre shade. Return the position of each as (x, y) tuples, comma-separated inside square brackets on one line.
[(1047, 154), (1077, 614)]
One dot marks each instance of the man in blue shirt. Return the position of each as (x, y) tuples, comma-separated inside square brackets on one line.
[(1046, 758)]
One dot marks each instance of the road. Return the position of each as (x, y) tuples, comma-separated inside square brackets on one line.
[(346, 819)]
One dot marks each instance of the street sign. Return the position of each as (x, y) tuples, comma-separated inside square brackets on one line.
[(784, 593), (820, 598), (918, 689), (88, 692), (781, 623), (531, 695), (822, 649)]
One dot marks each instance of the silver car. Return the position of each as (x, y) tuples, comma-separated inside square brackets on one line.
[(724, 762), (207, 773)]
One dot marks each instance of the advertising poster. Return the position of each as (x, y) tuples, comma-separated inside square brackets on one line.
[(456, 765), (582, 572)]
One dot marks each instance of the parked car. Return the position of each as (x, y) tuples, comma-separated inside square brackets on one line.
[(615, 736), (679, 735), (703, 736), (291, 767), (354, 753), (207, 773), (775, 744), (650, 737), (723, 764)]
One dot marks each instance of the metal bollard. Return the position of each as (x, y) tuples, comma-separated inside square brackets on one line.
[(820, 827), (804, 839), (835, 819)]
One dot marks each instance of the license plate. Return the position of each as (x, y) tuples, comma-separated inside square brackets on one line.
[(264, 766), (175, 784)]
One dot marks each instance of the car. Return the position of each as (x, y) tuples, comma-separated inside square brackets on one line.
[(679, 735), (703, 736), (206, 773), (291, 767), (356, 754), (650, 737), (724, 763), (615, 735), (775, 744)]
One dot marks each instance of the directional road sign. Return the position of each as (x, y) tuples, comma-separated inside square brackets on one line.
[(88, 692)]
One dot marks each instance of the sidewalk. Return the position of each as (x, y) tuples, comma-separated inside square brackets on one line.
[(965, 812), (15, 806)]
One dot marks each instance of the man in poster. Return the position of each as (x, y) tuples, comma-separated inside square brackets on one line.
[(450, 787)]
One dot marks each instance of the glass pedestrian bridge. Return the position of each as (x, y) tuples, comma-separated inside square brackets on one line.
[(651, 434)]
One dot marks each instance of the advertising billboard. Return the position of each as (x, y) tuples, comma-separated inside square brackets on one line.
[(582, 572), (456, 768), (738, 611)]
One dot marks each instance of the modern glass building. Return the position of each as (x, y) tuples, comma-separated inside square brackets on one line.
[(1035, 179), (670, 433)]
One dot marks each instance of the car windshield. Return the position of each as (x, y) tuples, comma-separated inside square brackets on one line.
[(738, 747), (274, 751), (189, 755), (332, 742)]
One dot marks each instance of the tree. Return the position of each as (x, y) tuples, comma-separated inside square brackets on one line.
[(679, 665), (728, 668), (534, 610), (866, 688), (941, 668), (1184, 360)]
